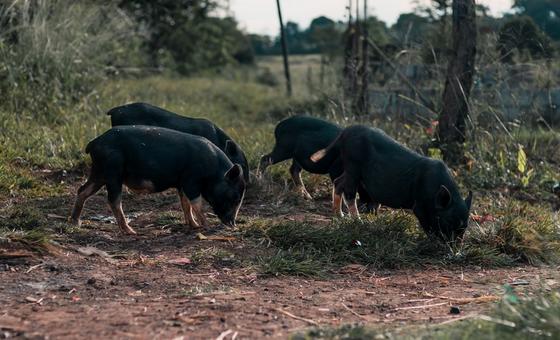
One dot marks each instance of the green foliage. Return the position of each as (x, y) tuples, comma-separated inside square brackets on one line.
[(210, 43), (546, 13), (24, 226), (49, 59), (523, 158), (522, 34), (513, 318), (322, 36), (185, 36), (527, 233), (518, 233), (411, 27), (517, 318), (296, 263)]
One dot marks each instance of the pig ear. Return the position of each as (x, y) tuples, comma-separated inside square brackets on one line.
[(443, 198), (468, 201), (231, 148), (234, 173)]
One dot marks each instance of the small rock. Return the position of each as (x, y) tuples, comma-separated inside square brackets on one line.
[(455, 310), (91, 281)]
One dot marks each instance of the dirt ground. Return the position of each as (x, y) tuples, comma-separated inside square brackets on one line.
[(168, 283)]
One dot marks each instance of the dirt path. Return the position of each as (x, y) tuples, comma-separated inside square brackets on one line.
[(167, 283)]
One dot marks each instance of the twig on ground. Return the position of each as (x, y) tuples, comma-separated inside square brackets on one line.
[(457, 319), (363, 317), (34, 267), (422, 306), (223, 335), (464, 301), (311, 322)]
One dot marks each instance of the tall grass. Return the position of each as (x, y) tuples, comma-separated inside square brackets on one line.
[(54, 52)]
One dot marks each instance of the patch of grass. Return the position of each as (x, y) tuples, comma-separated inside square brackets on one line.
[(520, 234), (523, 232), (513, 318), (389, 240), (168, 217), (292, 262), (25, 226), (217, 256)]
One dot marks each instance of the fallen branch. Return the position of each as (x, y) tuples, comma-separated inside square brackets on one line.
[(34, 267), (422, 306), (223, 335), (464, 301), (311, 322)]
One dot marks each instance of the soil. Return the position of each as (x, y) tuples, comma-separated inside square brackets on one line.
[(168, 283)]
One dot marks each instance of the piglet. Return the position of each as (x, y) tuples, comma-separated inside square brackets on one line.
[(151, 159)]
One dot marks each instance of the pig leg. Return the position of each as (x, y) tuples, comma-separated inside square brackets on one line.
[(295, 171), (337, 196), (190, 189), (350, 184), (89, 188), (188, 211), (197, 209), (114, 196)]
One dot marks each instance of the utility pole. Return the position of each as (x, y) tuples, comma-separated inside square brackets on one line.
[(363, 99), (284, 51)]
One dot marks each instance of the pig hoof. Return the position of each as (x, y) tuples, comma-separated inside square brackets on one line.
[(128, 231)]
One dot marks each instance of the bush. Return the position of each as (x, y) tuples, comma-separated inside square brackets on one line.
[(523, 34), (53, 53)]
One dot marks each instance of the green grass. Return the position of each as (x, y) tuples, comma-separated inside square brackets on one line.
[(25, 227), (521, 233), (248, 111), (511, 319)]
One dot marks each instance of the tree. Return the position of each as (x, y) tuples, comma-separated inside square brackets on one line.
[(459, 80), (523, 34), (185, 36), (161, 19), (546, 13), (323, 36), (411, 28)]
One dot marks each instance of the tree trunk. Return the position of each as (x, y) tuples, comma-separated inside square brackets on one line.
[(284, 51), (460, 72)]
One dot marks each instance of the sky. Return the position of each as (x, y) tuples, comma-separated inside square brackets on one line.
[(259, 16)]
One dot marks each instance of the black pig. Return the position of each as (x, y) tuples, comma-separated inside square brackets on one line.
[(297, 138), (152, 159), (146, 114), (397, 177)]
